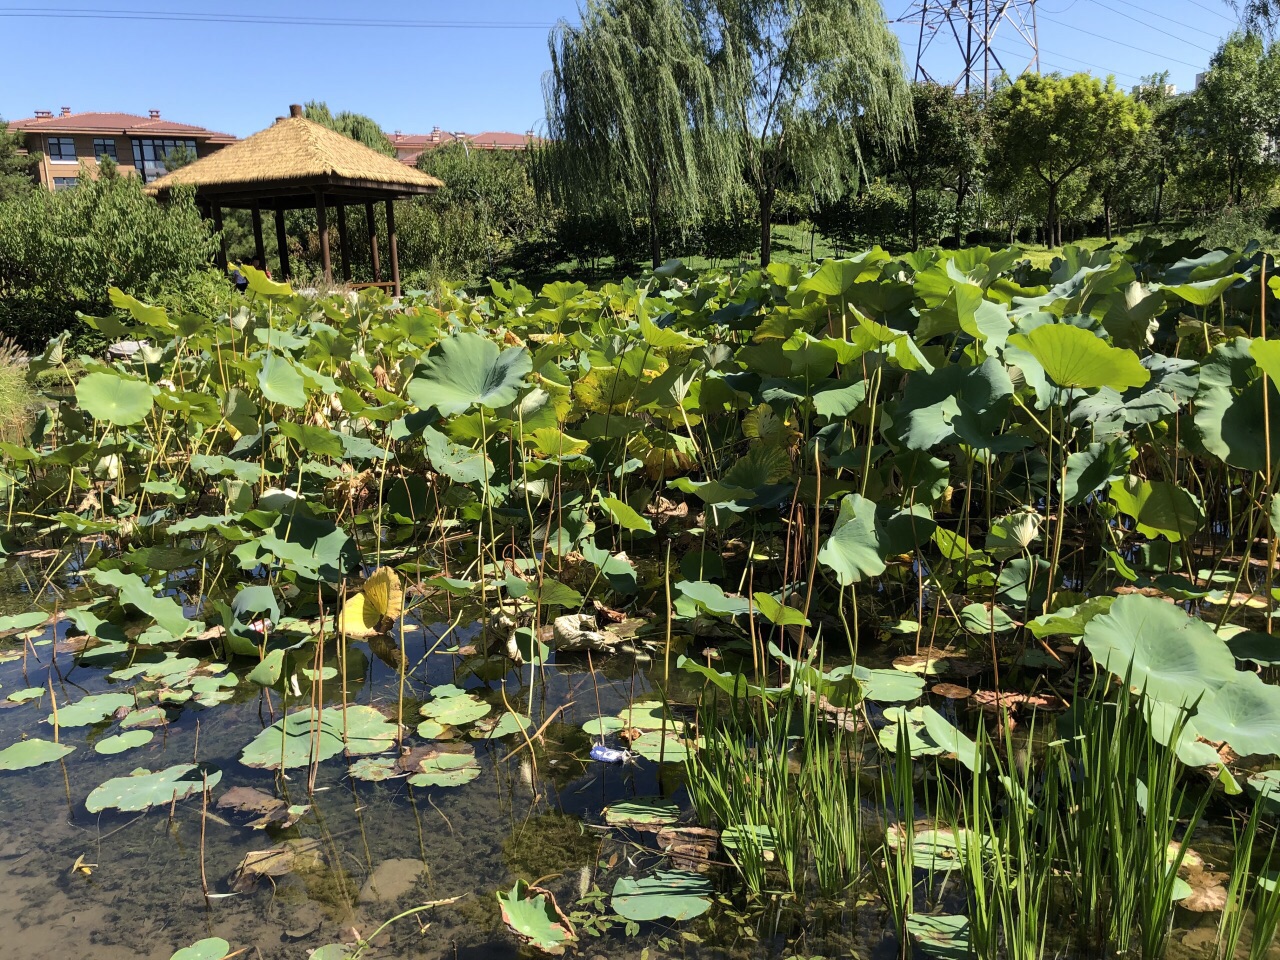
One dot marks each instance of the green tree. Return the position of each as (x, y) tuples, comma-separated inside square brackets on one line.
[(59, 252), (16, 167), (805, 83), (946, 147), (179, 157), (357, 126), (1053, 128), (1236, 111), (632, 116)]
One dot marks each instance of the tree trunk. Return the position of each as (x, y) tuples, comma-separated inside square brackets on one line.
[(1052, 219), (1159, 199), (962, 190), (1106, 212), (655, 243), (766, 226)]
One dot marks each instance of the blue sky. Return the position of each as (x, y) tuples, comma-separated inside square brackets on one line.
[(411, 73)]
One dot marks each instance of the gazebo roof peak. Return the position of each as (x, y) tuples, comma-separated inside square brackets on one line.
[(293, 154)]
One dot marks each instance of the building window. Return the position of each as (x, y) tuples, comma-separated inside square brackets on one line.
[(64, 183), (149, 155), (62, 149), (104, 148)]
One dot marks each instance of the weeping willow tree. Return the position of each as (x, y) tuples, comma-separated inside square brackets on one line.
[(805, 82), (632, 117), (357, 126)]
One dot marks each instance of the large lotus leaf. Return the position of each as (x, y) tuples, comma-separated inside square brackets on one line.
[(660, 748), (641, 812), (281, 382), (624, 516), (1070, 621), (460, 464), (853, 550), (143, 789), (32, 753), (456, 710), (1245, 712), (1076, 358), (210, 948), (1175, 658), (1260, 648), (670, 895), (1204, 292), (918, 741), (379, 601), (446, 770), (469, 370), (1234, 427), (114, 399), (165, 611), (314, 547), (945, 734), (734, 684), (89, 710), (1160, 508), (534, 920)]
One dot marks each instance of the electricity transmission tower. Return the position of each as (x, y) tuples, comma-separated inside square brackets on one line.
[(972, 26)]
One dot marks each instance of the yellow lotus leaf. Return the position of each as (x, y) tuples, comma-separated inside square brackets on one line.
[(379, 600)]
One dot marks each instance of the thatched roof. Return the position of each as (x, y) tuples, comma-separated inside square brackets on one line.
[(296, 155)]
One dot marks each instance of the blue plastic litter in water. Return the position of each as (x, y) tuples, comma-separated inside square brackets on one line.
[(609, 754)]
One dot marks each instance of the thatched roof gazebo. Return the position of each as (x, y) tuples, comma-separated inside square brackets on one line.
[(297, 163)]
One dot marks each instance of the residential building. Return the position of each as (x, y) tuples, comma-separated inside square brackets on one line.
[(410, 146), (69, 143)]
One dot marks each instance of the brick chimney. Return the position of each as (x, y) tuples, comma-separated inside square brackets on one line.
[(295, 109), (155, 114), (43, 114), (66, 111)]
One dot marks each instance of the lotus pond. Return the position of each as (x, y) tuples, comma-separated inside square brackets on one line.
[(889, 606)]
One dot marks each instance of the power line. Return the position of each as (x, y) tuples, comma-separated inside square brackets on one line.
[(80, 13), (1208, 9), (1067, 56), (1121, 43), (1129, 16)]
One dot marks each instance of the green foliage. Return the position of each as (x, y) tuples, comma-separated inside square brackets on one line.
[(60, 252), (17, 170), (357, 126)]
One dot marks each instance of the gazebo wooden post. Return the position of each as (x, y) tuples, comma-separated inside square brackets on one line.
[(258, 247), (395, 250), (222, 238), (372, 225), (322, 226), (282, 244), (343, 246)]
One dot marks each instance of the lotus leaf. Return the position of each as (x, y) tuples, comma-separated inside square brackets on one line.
[(280, 381), (32, 753), (456, 710), (1260, 648), (375, 768), (165, 611), (430, 729), (661, 748), (888, 686), (295, 740), (534, 920), (89, 710), (114, 399), (644, 813), (1245, 712), (709, 597), (123, 741), (624, 516), (143, 789), (1159, 508), (853, 550), (446, 770), (670, 895), (942, 936), (380, 600), (470, 369), (1158, 648), (504, 726), (603, 726), (210, 948), (776, 612), (28, 693), (23, 621), (1076, 358)]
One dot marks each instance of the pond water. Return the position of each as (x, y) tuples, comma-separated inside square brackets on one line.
[(129, 885)]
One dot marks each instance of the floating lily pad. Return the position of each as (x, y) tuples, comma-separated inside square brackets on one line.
[(29, 693), (943, 937), (146, 717), (446, 770), (644, 813), (123, 741), (143, 789), (456, 710), (603, 726), (89, 710), (649, 715), (375, 768), (534, 920), (889, 686), (210, 948), (670, 895), (32, 753), (654, 746), (430, 729), (291, 741)]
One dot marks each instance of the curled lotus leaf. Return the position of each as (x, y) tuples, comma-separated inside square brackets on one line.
[(535, 920)]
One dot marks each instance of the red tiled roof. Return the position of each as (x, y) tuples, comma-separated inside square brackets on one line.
[(500, 140), (489, 140), (123, 123)]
